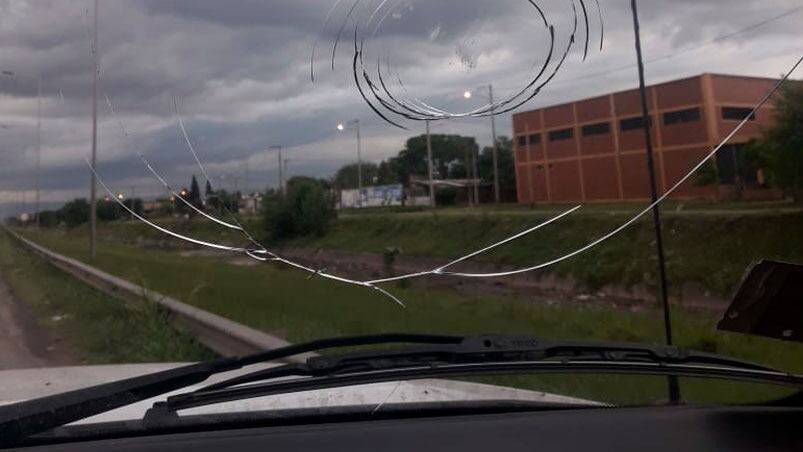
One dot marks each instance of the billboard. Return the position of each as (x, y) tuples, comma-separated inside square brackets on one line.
[(376, 196)]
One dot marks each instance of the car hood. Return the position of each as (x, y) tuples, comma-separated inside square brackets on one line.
[(19, 385)]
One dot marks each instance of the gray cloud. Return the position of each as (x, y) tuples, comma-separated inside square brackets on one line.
[(240, 69)]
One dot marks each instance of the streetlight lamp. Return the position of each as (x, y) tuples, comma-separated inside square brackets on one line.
[(356, 124), (38, 79), (468, 95)]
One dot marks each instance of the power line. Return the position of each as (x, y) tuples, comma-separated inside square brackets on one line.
[(688, 49)]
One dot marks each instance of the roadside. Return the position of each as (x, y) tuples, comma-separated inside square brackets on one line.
[(707, 254), (291, 305), (49, 319), (23, 343)]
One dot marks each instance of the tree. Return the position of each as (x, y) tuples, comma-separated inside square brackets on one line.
[(109, 210), (507, 168), (306, 209), (389, 172), (208, 192), (449, 154), (222, 201), (48, 219), (74, 213), (194, 196), (347, 176), (780, 148)]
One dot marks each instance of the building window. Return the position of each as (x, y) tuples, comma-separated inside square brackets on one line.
[(682, 116), (563, 134), (634, 123), (535, 138), (522, 140), (738, 114), (600, 128)]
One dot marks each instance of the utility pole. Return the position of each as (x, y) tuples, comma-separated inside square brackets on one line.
[(281, 169), (359, 156), (93, 209), (469, 192), (133, 197), (672, 381), (37, 176), (429, 167), (495, 145), (38, 145), (475, 175), (356, 123)]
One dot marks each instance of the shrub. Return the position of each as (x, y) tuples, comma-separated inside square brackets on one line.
[(306, 209), (74, 213)]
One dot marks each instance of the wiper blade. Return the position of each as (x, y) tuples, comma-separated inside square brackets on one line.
[(474, 356), (23, 419)]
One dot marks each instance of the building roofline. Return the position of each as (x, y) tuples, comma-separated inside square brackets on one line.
[(683, 79)]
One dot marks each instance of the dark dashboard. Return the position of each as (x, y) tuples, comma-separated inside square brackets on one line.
[(682, 428)]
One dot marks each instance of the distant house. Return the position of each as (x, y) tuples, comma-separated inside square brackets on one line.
[(250, 204)]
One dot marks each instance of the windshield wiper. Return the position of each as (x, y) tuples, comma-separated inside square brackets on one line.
[(434, 356), (472, 356), (23, 419)]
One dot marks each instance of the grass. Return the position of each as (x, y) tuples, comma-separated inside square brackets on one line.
[(709, 245), (102, 329), (712, 251), (288, 304)]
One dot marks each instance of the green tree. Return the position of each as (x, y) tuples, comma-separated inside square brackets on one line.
[(780, 148), (389, 172), (194, 196), (109, 210), (74, 213), (48, 219), (347, 176), (306, 209), (449, 154), (208, 192), (507, 168)]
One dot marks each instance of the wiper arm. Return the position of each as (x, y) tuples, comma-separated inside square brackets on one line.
[(30, 417), (473, 356)]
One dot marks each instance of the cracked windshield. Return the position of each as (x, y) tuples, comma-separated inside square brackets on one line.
[(577, 202)]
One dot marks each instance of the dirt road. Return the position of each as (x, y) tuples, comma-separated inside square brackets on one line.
[(23, 343)]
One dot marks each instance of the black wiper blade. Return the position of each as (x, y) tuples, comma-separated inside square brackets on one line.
[(473, 356), (23, 419)]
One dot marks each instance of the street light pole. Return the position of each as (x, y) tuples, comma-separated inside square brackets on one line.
[(429, 167), (281, 170), (38, 145), (359, 155), (356, 123), (495, 144), (37, 176), (673, 387), (93, 209)]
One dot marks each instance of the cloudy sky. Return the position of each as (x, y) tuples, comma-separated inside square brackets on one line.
[(240, 70)]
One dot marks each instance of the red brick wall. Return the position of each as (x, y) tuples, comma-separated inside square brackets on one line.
[(538, 178), (678, 147), (595, 109), (601, 180), (565, 181)]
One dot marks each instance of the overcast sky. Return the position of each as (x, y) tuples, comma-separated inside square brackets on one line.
[(241, 72)]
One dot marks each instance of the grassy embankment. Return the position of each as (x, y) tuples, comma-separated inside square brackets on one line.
[(289, 304), (710, 245), (102, 329)]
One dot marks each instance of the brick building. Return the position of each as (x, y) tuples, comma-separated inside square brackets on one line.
[(594, 149)]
